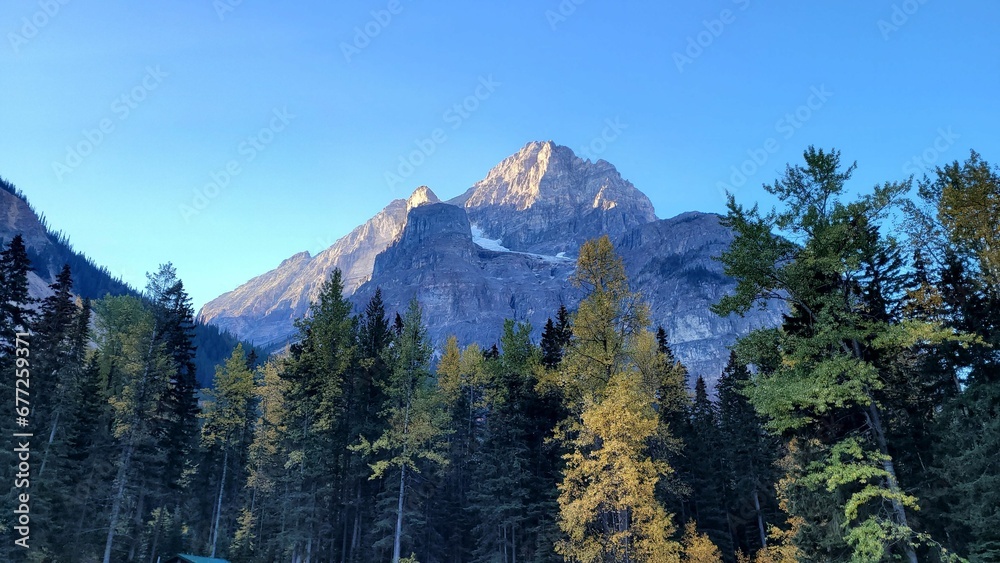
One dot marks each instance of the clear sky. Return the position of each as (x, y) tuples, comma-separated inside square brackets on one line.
[(116, 115)]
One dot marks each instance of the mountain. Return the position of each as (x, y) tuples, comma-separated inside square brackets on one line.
[(547, 200), (468, 287), (263, 310), (505, 249), (465, 289), (672, 263), (49, 250)]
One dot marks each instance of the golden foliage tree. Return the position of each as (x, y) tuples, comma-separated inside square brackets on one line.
[(608, 506)]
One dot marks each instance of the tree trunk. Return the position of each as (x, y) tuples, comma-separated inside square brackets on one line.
[(875, 419), (218, 505), (116, 506), (513, 544), (156, 534), (760, 518), (396, 542), (52, 437)]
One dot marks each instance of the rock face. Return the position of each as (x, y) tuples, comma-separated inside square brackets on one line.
[(505, 250), (464, 289), (547, 200), (671, 262), (263, 310)]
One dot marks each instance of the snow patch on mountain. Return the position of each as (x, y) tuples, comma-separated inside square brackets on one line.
[(487, 243), (480, 240)]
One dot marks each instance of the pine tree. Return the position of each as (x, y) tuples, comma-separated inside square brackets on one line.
[(58, 366), (15, 302), (957, 226), (175, 331), (257, 535), (228, 405), (708, 478), (413, 441), (750, 456), (138, 372), (317, 372), (551, 350)]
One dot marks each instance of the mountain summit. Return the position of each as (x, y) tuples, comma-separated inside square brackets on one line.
[(546, 200)]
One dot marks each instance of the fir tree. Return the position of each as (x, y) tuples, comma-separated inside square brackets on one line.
[(416, 420)]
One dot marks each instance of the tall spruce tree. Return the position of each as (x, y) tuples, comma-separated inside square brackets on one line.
[(317, 371), (228, 405), (750, 457), (413, 442)]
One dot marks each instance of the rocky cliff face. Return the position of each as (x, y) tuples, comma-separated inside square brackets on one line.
[(264, 309), (465, 289), (671, 262), (505, 250), (546, 200)]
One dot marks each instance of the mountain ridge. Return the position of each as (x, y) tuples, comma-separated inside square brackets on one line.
[(505, 248), (49, 250)]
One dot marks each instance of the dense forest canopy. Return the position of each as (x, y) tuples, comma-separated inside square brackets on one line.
[(864, 428)]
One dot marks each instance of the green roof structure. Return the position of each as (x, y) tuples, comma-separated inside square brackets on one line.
[(185, 558)]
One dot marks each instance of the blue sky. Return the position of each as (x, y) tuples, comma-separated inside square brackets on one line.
[(118, 117)]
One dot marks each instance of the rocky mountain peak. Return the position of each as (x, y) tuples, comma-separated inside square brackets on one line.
[(421, 196), (545, 199)]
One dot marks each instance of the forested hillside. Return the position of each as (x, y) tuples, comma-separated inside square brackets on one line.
[(49, 250), (864, 428)]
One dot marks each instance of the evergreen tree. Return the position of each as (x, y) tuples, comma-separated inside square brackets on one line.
[(258, 532), (175, 331), (750, 456), (416, 421), (835, 346), (15, 302), (706, 464), (957, 226), (57, 367), (317, 372), (138, 372), (228, 405)]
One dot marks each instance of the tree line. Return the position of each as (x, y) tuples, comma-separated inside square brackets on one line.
[(864, 428)]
